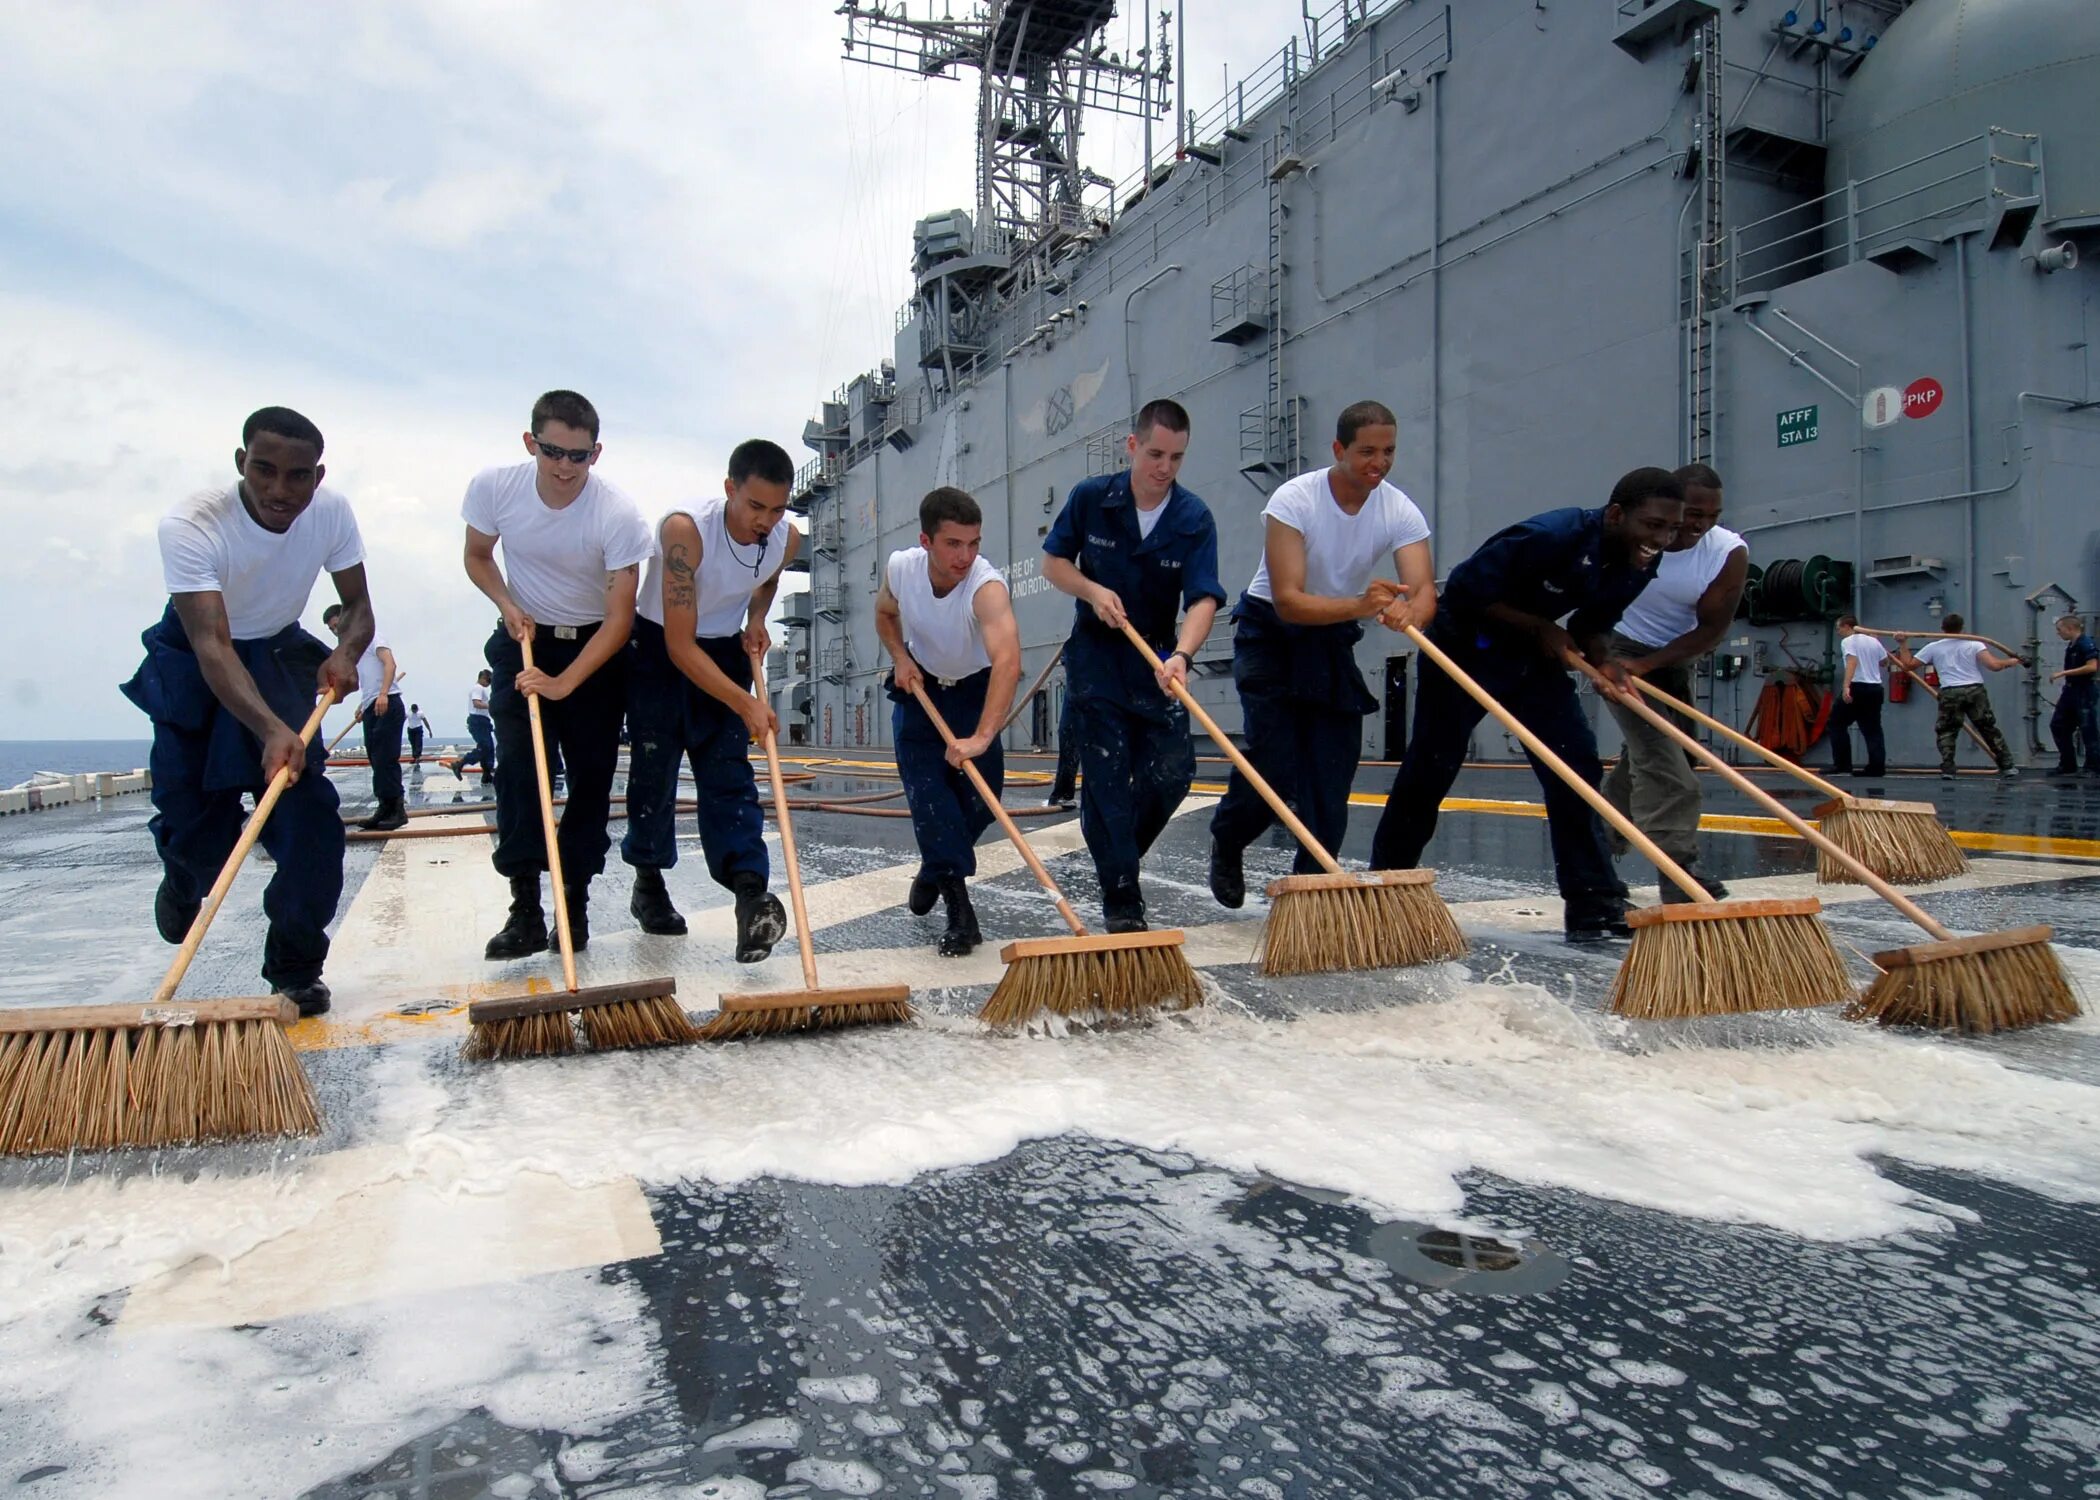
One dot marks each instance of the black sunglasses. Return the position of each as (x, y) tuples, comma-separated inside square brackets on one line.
[(573, 455)]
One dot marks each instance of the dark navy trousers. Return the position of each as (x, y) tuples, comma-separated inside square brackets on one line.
[(669, 722), (1138, 768), (383, 747), (1542, 695), (947, 815), (204, 759), (584, 727), (484, 751), (2077, 711), (1302, 707)]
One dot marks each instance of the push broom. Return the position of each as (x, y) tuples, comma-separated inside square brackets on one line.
[(810, 1008), (88, 1077), (1705, 957), (1120, 973), (1994, 982), (1903, 842), (1379, 919), (644, 1013)]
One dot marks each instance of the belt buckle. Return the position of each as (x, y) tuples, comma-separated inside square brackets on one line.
[(564, 632), (947, 682)]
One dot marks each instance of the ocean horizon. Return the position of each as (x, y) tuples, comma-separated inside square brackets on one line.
[(22, 759)]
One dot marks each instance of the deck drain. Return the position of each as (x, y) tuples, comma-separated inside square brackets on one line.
[(1453, 1260)]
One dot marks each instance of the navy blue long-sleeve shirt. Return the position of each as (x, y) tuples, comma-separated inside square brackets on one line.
[(1554, 565)]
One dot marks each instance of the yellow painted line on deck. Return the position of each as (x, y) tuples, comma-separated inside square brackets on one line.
[(1988, 843)]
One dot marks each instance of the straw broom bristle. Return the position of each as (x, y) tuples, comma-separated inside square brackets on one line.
[(156, 1085), (1975, 993), (803, 1010), (1902, 846), (1728, 966), (865, 1013), (776, 1020), (550, 1034), (1116, 982), (1358, 927), (654, 1021)]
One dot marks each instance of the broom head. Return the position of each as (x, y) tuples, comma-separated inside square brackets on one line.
[(1713, 958), (644, 1013), (90, 1077), (1116, 974), (1995, 982), (1903, 842), (779, 1011), (1379, 919)]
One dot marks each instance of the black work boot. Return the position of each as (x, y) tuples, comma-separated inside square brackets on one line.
[(760, 920), (311, 997), (962, 934), (392, 813), (171, 914), (1228, 882), (1123, 907), (1674, 894), (925, 890), (579, 904), (526, 931), (651, 904)]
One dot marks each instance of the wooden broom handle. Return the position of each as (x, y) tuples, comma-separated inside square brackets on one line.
[(1974, 733), (1064, 907), (344, 735), (1939, 635), (1766, 800), (201, 923), (1800, 773), (1596, 799), (764, 694), (1240, 763), (550, 832)]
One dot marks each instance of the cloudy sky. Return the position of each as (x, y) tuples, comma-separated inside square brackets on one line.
[(408, 219)]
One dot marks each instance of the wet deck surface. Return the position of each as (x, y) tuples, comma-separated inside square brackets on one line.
[(1410, 1233)]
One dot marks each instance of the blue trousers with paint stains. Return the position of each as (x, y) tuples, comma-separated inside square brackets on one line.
[(204, 760), (947, 815), (670, 721), (1138, 768)]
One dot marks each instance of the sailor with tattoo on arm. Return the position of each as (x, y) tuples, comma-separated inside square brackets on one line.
[(573, 547), (703, 615)]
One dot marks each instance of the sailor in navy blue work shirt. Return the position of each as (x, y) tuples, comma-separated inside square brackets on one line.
[(1135, 546), (2077, 715), (1498, 623)]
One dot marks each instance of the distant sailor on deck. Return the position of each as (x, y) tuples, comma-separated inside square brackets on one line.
[(1499, 623), (946, 618), (1135, 546), (418, 725), (703, 615), (1963, 696), (1302, 697), (573, 547), (1678, 618), (379, 710), (229, 678), (481, 728)]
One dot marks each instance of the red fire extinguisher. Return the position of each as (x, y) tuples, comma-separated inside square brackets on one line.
[(1899, 686)]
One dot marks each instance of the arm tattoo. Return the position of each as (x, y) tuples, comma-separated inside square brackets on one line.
[(679, 575)]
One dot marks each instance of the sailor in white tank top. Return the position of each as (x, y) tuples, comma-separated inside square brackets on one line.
[(941, 630), (730, 571), (1669, 606)]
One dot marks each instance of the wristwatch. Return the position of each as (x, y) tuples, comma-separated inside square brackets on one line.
[(1177, 651)]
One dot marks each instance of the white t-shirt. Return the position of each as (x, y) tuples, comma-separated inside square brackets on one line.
[(1148, 519), (1342, 551), (210, 544), (420, 721), (477, 701), (943, 633), (556, 561), (1669, 606), (730, 571), (1955, 661), (371, 672), (1869, 653)]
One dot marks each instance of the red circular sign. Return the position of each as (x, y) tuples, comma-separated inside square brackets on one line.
[(1921, 398)]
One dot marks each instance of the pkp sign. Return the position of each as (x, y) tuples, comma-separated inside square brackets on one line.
[(1885, 405)]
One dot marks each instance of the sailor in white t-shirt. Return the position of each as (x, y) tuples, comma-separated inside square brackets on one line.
[(947, 620), (229, 681), (418, 728), (482, 729), (703, 619), (1326, 537), (379, 710), (1679, 617), (1960, 665), (1859, 698), (573, 547)]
